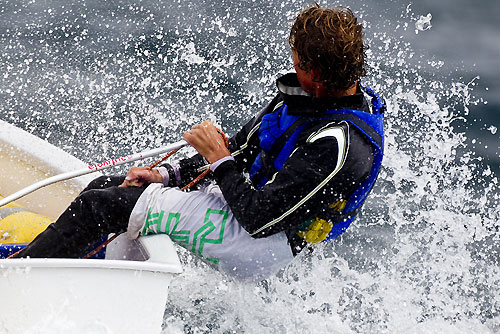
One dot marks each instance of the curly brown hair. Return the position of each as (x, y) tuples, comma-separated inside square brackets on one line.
[(331, 42)]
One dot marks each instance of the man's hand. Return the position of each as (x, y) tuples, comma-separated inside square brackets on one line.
[(138, 176), (207, 141)]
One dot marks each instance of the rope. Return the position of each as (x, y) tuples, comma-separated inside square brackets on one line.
[(104, 244), (14, 254), (196, 180), (169, 154), (186, 187)]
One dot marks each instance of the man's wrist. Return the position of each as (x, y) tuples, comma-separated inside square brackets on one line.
[(215, 156), (164, 174)]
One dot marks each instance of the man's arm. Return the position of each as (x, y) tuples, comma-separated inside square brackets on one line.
[(244, 147)]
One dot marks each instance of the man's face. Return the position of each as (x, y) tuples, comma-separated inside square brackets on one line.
[(305, 77)]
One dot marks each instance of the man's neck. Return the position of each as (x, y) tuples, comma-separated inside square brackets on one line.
[(321, 91)]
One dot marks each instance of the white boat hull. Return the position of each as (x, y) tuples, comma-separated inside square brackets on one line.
[(83, 300), (83, 296), (124, 293)]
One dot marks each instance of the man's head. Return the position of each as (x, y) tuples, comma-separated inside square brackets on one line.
[(329, 42)]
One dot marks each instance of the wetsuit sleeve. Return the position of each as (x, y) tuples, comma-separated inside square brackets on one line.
[(311, 179)]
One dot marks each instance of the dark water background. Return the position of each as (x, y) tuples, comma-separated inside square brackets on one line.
[(465, 36), (104, 78), (49, 46)]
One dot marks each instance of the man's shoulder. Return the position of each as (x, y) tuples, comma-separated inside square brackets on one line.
[(270, 107)]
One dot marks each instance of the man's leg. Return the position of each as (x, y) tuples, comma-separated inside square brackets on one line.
[(202, 222), (101, 208)]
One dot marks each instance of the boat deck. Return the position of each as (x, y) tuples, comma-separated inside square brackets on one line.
[(26, 159)]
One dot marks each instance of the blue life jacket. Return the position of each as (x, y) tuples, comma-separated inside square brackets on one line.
[(278, 135)]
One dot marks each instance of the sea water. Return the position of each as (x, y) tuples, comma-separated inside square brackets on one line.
[(103, 79)]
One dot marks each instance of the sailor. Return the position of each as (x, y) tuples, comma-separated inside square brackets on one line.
[(295, 174)]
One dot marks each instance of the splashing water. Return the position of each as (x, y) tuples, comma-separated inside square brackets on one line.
[(423, 23), (104, 79)]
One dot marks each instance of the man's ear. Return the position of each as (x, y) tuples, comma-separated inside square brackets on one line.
[(314, 72)]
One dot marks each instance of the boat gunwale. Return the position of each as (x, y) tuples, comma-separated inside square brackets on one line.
[(28, 263)]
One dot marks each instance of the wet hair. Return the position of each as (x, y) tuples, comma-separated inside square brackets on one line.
[(330, 41)]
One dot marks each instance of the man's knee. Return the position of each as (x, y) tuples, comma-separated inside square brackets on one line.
[(82, 216), (99, 199), (95, 210), (109, 207), (104, 182)]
